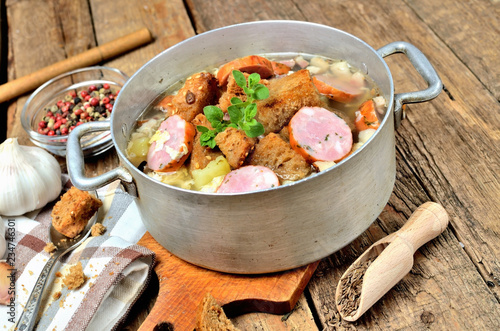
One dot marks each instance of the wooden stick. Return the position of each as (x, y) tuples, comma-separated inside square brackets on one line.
[(93, 56)]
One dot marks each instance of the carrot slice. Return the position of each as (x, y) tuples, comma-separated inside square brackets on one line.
[(248, 64), (280, 68), (366, 116), (335, 93)]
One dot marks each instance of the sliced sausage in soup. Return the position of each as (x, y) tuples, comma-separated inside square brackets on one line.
[(337, 90), (248, 178), (248, 64), (171, 144), (320, 135)]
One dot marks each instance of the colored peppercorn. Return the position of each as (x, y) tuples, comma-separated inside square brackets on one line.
[(93, 104)]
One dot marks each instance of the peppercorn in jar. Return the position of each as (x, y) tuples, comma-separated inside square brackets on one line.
[(92, 104)]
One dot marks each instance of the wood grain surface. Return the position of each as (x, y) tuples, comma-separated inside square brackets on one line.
[(447, 150)]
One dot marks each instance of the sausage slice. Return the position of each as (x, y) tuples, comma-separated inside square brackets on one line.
[(249, 64), (171, 144), (248, 178), (319, 135)]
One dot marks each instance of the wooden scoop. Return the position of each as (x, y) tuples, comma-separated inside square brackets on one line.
[(393, 257)]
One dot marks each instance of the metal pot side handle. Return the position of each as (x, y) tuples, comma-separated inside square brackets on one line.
[(76, 163), (423, 67)]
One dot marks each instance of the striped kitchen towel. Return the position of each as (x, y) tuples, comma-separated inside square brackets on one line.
[(117, 270)]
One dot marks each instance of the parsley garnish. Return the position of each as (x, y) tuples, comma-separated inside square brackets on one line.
[(241, 114)]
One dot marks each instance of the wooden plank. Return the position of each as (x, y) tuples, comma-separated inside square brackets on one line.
[(167, 21), (209, 15), (471, 30), (300, 318)]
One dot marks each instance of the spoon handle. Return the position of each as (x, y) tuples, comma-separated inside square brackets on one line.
[(30, 311), (425, 224)]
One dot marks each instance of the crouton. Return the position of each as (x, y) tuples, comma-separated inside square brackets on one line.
[(200, 90), (285, 134), (201, 155), (71, 214), (275, 153), (286, 96), (235, 145), (233, 90)]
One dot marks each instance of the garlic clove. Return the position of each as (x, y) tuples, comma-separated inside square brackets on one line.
[(31, 178)]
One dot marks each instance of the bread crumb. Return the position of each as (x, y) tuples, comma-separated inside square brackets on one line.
[(30, 272), (50, 247), (56, 295), (75, 277), (97, 230), (58, 274)]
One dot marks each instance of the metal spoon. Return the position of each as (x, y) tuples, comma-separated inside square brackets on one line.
[(392, 257), (63, 245)]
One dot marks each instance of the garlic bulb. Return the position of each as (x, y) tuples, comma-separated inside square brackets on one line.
[(30, 177)]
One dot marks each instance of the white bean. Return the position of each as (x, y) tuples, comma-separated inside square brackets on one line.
[(341, 69), (320, 63)]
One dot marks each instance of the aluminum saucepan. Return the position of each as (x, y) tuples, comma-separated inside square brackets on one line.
[(269, 230)]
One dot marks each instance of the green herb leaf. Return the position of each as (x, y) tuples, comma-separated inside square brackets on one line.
[(235, 113), (253, 80), (239, 78), (236, 100), (202, 128), (244, 126), (249, 92), (213, 114), (207, 138), (261, 92), (241, 114), (255, 130), (250, 112)]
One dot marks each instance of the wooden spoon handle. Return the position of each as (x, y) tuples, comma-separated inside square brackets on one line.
[(92, 56), (426, 223)]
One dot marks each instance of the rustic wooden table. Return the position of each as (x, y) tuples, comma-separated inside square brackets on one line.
[(448, 150)]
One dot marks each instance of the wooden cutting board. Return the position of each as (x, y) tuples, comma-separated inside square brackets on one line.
[(183, 286)]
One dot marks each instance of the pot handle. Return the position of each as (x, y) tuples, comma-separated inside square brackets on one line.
[(76, 164), (423, 67)]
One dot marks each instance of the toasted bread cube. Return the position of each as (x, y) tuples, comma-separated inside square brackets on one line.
[(71, 214), (200, 90), (201, 155), (235, 145), (275, 153)]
